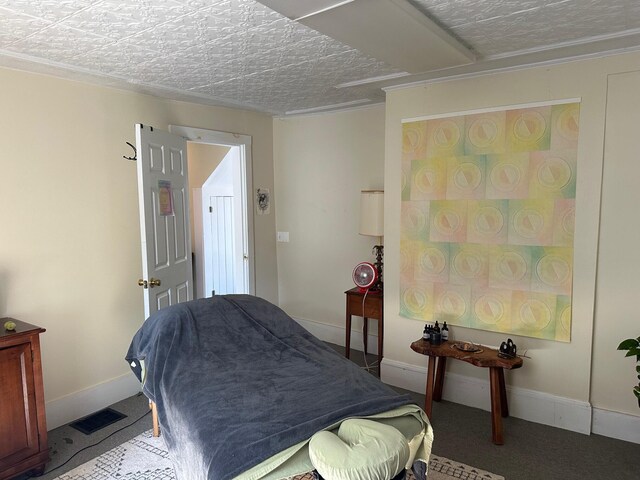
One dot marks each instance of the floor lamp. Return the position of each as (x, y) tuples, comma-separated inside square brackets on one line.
[(372, 224)]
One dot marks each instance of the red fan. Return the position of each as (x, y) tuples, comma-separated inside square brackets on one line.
[(365, 276)]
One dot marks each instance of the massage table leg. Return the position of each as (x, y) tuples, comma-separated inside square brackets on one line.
[(154, 417)]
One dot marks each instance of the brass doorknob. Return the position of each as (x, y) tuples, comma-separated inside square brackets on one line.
[(142, 283), (154, 282)]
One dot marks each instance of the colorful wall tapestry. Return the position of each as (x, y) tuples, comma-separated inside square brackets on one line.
[(487, 221)]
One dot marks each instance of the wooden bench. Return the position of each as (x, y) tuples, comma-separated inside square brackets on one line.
[(487, 358)]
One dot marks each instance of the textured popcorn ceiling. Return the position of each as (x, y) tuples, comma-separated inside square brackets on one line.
[(241, 53), (498, 27)]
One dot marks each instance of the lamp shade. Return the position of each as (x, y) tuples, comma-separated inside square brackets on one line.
[(372, 213)]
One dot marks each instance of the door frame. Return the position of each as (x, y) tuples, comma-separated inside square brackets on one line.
[(202, 135), (211, 243)]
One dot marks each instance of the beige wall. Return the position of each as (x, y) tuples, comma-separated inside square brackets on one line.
[(70, 239), (69, 235), (556, 368), (321, 164), (618, 285), (202, 160)]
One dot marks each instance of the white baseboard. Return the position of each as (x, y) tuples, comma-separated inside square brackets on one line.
[(79, 404), (531, 405), (527, 404), (616, 425), (335, 334)]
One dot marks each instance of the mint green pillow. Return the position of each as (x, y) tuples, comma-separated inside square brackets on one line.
[(362, 450)]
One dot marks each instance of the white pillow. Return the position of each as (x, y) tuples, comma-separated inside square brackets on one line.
[(362, 450)]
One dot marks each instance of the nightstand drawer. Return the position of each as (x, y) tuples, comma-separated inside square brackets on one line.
[(372, 306)]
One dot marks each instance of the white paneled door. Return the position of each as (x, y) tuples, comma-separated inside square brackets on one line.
[(164, 218), (222, 264)]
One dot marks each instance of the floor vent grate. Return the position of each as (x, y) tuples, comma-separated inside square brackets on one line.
[(96, 421)]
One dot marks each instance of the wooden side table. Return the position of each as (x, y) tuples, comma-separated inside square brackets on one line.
[(371, 306), (487, 358)]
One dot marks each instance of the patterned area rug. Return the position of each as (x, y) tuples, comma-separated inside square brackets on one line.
[(441, 468), (146, 458)]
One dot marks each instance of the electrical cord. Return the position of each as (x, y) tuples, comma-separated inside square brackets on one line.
[(90, 446)]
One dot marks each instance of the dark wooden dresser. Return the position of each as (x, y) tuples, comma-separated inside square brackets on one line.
[(23, 427)]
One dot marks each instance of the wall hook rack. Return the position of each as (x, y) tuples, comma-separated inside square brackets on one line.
[(135, 153)]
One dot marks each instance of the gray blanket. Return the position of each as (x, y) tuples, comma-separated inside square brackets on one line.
[(236, 380)]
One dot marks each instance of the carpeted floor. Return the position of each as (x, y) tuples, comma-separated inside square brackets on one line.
[(531, 451), (146, 458)]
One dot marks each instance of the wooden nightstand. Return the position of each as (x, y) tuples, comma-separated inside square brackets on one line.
[(371, 306), (23, 428)]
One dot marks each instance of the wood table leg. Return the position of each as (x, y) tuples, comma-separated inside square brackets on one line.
[(380, 343), (428, 398), (37, 471), (496, 410), (503, 394), (365, 332), (437, 392), (347, 342)]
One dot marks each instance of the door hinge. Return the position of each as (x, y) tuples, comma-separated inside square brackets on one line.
[(213, 292), (210, 209)]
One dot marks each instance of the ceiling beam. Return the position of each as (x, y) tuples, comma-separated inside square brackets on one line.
[(392, 31), (297, 9)]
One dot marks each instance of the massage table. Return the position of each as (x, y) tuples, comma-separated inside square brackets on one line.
[(241, 391)]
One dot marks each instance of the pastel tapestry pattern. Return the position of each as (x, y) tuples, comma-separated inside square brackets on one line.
[(487, 220)]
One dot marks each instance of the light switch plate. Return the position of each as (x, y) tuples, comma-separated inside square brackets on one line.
[(283, 237)]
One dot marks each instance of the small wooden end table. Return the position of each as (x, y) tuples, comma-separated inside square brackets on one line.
[(370, 307), (487, 358)]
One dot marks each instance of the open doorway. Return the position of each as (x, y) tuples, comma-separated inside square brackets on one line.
[(221, 211)]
